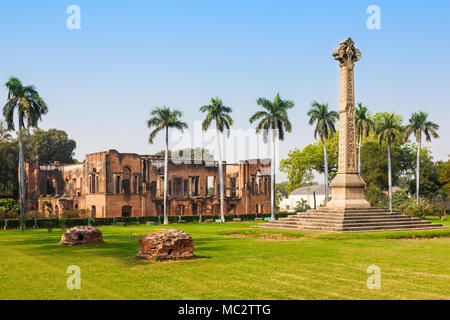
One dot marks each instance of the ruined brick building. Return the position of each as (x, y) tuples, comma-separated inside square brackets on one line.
[(113, 184)]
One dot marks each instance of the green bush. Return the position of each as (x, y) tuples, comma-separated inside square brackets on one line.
[(9, 207), (4, 214), (414, 209), (438, 208), (374, 196), (34, 215), (76, 214)]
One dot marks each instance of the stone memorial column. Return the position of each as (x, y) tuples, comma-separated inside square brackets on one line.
[(347, 188)]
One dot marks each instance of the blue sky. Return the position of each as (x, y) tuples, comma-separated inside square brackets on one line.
[(101, 82)]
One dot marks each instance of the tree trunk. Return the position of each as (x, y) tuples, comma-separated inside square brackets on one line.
[(314, 194), (359, 154), (419, 145), (272, 178), (166, 177), (325, 169), (22, 177), (222, 193), (389, 176)]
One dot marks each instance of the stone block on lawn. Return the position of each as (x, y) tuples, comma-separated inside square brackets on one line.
[(168, 244), (81, 235)]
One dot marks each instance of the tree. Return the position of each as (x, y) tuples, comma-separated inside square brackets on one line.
[(444, 177), (419, 124), (387, 128), (219, 113), (364, 125), (274, 117), (52, 145), (8, 163), (30, 108), (428, 176), (163, 118), (300, 164), (325, 129)]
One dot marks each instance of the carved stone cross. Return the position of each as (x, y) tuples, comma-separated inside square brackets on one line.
[(347, 187)]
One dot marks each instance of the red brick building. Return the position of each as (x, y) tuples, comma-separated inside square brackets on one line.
[(113, 184)]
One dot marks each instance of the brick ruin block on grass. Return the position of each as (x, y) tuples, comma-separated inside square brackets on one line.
[(81, 235), (169, 244)]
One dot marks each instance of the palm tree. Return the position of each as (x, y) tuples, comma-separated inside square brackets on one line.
[(363, 127), (419, 124), (325, 129), (219, 113), (30, 108), (388, 131), (273, 117), (162, 119)]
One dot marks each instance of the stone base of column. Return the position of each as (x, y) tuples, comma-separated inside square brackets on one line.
[(347, 191)]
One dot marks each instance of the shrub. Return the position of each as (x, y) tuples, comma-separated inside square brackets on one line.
[(34, 215), (76, 214), (302, 206), (4, 214), (414, 209), (374, 196), (438, 208), (9, 205)]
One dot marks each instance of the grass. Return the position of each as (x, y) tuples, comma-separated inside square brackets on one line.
[(234, 262)]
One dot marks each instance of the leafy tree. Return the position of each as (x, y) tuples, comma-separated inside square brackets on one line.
[(418, 125), (388, 130), (444, 177), (30, 108), (8, 163), (274, 117), (52, 145), (219, 113), (324, 129), (364, 125), (280, 192), (163, 118), (300, 164), (428, 176)]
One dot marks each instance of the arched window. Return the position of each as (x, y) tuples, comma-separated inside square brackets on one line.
[(93, 211), (93, 181), (126, 177)]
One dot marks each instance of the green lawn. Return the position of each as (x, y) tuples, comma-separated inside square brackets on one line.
[(234, 262)]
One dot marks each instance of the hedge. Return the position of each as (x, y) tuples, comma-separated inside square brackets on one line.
[(69, 223)]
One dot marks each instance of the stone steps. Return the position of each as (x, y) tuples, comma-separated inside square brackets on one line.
[(369, 219), (350, 220)]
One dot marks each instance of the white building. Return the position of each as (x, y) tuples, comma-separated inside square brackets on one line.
[(314, 196)]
